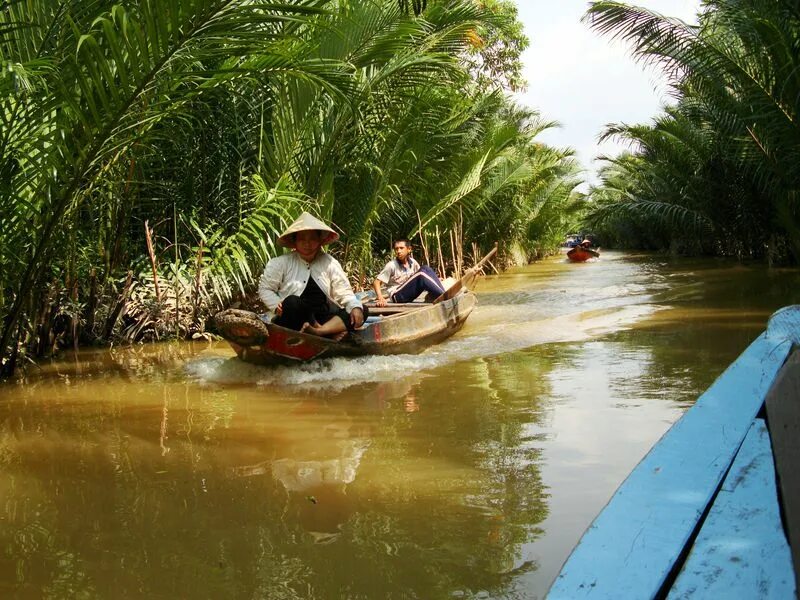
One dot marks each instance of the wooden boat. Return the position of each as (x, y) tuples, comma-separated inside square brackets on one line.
[(401, 329), (398, 329), (581, 254), (713, 510)]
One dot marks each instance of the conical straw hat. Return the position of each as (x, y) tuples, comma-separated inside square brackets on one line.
[(307, 222)]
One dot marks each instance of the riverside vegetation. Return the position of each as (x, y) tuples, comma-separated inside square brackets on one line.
[(151, 151), (718, 172)]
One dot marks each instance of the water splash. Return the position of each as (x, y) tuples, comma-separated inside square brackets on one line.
[(554, 303), (491, 331)]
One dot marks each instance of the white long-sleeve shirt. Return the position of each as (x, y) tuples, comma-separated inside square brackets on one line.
[(288, 275)]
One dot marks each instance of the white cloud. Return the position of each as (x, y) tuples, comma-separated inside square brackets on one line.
[(585, 81)]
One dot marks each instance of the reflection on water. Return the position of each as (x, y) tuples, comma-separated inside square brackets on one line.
[(469, 470), (316, 466)]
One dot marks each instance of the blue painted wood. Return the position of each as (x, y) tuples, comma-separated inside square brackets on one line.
[(785, 323), (630, 548), (741, 550)]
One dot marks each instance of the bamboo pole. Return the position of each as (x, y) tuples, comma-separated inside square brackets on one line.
[(91, 307), (422, 241), (197, 281), (466, 279), (439, 253), (75, 318), (175, 274), (460, 241), (456, 272), (151, 253)]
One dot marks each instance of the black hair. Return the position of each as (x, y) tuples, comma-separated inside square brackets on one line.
[(406, 241)]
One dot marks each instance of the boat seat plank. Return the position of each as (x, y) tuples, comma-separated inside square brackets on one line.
[(783, 418), (644, 529), (742, 530), (395, 309)]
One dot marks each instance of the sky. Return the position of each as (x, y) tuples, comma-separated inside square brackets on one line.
[(584, 80)]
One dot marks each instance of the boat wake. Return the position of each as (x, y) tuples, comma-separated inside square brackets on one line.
[(490, 331)]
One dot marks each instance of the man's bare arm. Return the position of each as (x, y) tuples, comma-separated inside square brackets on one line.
[(376, 285)]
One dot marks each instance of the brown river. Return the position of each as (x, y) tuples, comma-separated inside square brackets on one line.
[(468, 471)]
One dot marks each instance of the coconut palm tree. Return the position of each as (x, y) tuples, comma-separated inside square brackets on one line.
[(89, 83), (737, 79), (154, 151)]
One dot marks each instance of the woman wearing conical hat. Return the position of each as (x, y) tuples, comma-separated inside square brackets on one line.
[(307, 289)]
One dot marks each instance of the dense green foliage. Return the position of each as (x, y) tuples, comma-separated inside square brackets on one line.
[(719, 171), (151, 150)]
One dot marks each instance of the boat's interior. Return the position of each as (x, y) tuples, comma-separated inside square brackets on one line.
[(394, 310)]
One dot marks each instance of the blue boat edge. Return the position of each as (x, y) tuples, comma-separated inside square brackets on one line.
[(712, 510)]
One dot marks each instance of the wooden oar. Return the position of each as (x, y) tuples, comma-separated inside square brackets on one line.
[(466, 280)]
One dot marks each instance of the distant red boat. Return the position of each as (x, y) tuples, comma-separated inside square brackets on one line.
[(581, 254)]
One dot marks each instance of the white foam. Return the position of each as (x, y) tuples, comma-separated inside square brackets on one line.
[(519, 311), (487, 338), (327, 373)]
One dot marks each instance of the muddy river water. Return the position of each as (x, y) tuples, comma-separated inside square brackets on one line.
[(468, 471)]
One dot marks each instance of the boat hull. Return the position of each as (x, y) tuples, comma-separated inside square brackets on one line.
[(578, 254), (713, 510), (262, 343)]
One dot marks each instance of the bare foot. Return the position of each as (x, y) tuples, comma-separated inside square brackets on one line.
[(323, 331), (309, 328)]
